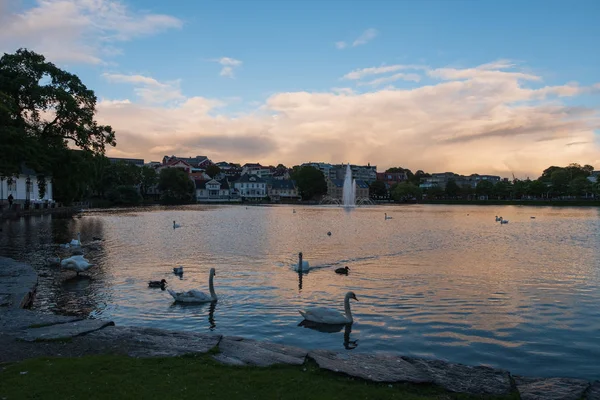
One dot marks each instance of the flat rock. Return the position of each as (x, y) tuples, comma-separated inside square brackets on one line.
[(19, 282), (463, 378), (377, 368), (151, 342), (594, 391), (238, 351), (14, 320), (63, 331), (551, 388)]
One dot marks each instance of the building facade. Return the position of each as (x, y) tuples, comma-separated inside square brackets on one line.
[(251, 187), (335, 189), (25, 187), (213, 191), (279, 189)]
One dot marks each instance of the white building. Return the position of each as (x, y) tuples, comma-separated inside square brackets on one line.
[(251, 187), (257, 169), (24, 187), (213, 191)]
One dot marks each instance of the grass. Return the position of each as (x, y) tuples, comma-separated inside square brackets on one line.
[(191, 377)]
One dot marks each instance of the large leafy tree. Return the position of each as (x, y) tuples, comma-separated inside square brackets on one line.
[(311, 182), (176, 186), (44, 112), (452, 189), (378, 189), (406, 191)]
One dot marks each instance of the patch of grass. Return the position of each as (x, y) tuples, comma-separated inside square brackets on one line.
[(192, 377)]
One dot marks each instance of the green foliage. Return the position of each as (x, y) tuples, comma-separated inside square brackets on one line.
[(149, 178), (502, 189), (124, 196), (42, 184), (176, 186), (452, 189), (435, 192), (310, 181), (213, 170), (537, 188), (194, 377), (484, 188), (406, 191), (378, 189)]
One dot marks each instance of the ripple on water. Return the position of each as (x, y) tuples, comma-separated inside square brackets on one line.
[(430, 282)]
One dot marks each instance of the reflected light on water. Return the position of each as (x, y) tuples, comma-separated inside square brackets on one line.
[(435, 281)]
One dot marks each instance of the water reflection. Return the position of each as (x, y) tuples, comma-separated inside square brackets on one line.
[(432, 282)]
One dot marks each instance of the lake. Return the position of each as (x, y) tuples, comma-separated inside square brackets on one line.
[(435, 281)]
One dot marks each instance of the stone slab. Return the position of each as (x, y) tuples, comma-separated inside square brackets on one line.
[(238, 351), (151, 342), (14, 320), (550, 388), (461, 378), (593, 392), (19, 282), (377, 368), (63, 331)]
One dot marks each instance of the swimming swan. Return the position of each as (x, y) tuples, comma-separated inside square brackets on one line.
[(302, 265), (386, 216), (178, 270), (76, 242), (196, 296), (76, 263), (322, 315), (176, 225)]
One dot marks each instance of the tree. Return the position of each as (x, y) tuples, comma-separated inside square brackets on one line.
[(418, 177), (45, 108), (537, 188), (280, 167), (406, 191), (124, 196), (452, 189), (560, 181), (520, 188), (484, 188), (311, 182), (213, 170), (378, 189), (580, 186), (502, 189), (148, 179), (176, 186), (435, 192)]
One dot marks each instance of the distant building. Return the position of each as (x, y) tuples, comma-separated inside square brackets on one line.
[(24, 187), (256, 169), (175, 163), (335, 189), (196, 162), (594, 176), (367, 173), (213, 191), (280, 189), (327, 169), (441, 180), (392, 178), (134, 161), (251, 187)]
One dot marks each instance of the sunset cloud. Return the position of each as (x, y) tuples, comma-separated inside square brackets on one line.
[(79, 31), (473, 120)]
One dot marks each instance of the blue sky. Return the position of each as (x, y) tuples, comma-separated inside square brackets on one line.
[(277, 50)]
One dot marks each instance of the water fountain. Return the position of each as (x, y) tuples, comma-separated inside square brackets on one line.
[(349, 190)]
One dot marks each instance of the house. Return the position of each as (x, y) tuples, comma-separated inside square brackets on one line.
[(25, 187), (367, 173), (441, 180), (392, 178), (594, 176), (335, 189), (175, 163), (256, 169), (327, 169), (214, 191), (196, 162), (251, 187), (282, 189), (133, 161), (281, 174)]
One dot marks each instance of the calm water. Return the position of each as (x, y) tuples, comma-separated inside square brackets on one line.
[(435, 281)]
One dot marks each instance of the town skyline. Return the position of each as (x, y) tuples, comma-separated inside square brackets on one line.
[(366, 85)]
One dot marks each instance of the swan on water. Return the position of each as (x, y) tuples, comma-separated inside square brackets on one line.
[(302, 265), (178, 270), (76, 242), (386, 216), (157, 284), (176, 225), (196, 296), (76, 263), (342, 270), (503, 221), (322, 315)]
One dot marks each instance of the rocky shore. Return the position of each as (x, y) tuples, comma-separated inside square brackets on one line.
[(28, 334)]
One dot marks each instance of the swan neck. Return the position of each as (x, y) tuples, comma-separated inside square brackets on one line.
[(211, 287), (300, 262), (347, 308)]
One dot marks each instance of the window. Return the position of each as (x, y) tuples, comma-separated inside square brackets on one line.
[(12, 187)]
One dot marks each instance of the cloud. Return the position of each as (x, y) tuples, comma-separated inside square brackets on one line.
[(361, 73), (365, 37), (149, 90), (78, 31), (392, 78), (228, 66), (466, 121)]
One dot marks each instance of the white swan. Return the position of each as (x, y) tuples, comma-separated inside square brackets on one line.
[(503, 221), (196, 296), (176, 225), (76, 263), (302, 265), (178, 270), (76, 242), (386, 216), (322, 315)]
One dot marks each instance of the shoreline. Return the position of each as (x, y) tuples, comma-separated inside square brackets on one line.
[(27, 334)]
